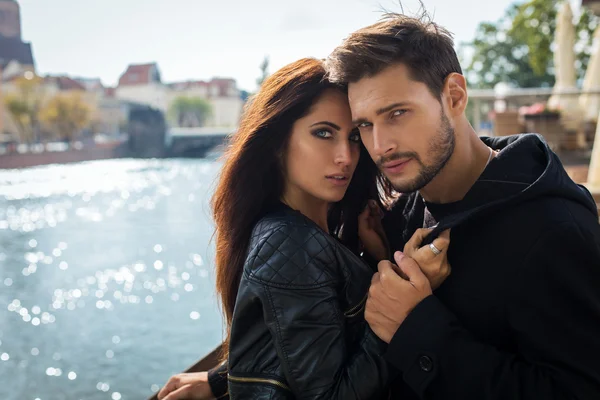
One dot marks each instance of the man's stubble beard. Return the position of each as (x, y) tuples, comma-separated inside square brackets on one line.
[(440, 150)]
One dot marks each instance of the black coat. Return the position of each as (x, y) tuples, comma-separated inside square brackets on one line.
[(298, 326), (519, 317)]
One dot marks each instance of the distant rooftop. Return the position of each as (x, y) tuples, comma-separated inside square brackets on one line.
[(14, 49), (140, 74)]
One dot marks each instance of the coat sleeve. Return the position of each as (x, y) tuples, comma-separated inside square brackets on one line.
[(217, 379), (298, 287), (555, 325)]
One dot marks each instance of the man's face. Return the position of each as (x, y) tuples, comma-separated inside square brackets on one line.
[(403, 126)]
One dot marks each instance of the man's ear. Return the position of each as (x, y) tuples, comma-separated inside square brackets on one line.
[(455, 90)]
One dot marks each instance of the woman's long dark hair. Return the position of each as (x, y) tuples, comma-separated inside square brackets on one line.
[(252, 181)]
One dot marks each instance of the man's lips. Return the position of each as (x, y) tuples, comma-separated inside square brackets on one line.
[(395, 166)]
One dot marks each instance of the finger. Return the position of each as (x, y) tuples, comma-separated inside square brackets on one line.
[(412, 270), (180, 394), (398, 256), (425, 254), (384, 265), (168, 388), (375, 278), (375, 209), (364, 215), (363, 221), (414, 243), (442, 242), (374, 284), (389, 278)]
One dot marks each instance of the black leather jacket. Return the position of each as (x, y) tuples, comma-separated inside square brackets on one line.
[(298, 328)]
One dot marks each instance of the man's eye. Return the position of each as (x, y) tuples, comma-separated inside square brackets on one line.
[(397, 113)]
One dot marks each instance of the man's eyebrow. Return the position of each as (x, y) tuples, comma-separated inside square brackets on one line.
[(380, 111), (359, 121), (391, 107)]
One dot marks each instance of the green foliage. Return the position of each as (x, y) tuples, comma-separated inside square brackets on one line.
[(518, 49), (66, 114), (190, 112), (264, 71), (23, 105)]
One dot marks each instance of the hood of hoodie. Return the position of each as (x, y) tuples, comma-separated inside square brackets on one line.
[(525, 168)]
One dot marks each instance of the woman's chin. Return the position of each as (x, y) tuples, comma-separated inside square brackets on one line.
[(334, 197)]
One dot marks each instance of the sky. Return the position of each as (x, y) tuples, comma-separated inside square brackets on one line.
[(201, 39)]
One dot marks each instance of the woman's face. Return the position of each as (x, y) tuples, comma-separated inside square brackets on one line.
[(323, 151)]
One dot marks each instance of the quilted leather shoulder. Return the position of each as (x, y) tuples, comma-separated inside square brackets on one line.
[(289, 250)]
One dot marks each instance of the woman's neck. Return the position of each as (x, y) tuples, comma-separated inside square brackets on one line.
[(311, 207)]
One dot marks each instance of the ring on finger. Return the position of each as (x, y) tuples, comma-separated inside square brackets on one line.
[(434, 249)]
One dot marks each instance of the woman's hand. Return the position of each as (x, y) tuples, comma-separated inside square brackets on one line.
[(188, 386), (370, 232), (435, 266)]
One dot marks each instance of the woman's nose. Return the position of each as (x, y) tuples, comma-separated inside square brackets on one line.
[(343, 155)]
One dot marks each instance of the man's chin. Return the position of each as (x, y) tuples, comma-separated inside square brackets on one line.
[(406, 185)]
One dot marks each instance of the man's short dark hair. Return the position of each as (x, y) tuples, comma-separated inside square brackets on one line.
[(426, 48)]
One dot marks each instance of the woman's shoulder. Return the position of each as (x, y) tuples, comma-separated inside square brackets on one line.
[(287, 248)]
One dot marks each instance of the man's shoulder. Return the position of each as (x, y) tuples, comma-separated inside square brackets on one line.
[(551, 210)]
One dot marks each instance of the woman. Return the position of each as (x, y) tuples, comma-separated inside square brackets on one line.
[(289, 206)]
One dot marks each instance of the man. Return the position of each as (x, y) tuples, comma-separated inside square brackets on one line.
[(519, 317)]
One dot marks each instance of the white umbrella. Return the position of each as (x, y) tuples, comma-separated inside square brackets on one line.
[(564, 64), (564, 60), (590, 103), (593, 181)]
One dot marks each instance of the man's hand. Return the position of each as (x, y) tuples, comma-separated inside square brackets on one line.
[(188, 386), (392, 298), (436, 267)]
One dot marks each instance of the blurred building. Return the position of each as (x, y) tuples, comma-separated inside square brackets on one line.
[(221, 93), (16, 56), (141, 83), (593, 5)]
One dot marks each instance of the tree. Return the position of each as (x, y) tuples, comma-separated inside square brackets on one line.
[(264, 69), (518, 49), (190, 112), (66, 114), (24, 104)]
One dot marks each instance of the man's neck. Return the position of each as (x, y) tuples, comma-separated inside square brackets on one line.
[(466, 164)]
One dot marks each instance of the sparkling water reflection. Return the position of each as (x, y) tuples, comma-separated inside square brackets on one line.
[(105, 276)]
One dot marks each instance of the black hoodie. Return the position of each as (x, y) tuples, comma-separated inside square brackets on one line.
[(519, 317)]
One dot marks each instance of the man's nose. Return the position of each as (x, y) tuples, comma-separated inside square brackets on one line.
[(383, 142)]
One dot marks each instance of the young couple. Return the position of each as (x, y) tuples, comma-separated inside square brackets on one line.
[(365, 163)]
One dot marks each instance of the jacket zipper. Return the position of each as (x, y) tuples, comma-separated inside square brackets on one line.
[(354, 311), (259, 380)]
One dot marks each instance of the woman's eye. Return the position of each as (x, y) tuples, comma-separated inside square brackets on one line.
[(322, 133)]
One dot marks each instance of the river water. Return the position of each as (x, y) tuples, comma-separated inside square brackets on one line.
[(106, 281)]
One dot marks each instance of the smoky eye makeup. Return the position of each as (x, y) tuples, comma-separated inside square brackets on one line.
[(322, 133)]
